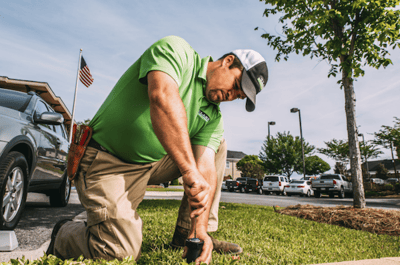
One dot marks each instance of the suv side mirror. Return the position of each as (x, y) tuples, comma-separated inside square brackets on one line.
[(51, 118)]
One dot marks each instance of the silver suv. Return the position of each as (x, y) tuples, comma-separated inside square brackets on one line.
[(33, 154)]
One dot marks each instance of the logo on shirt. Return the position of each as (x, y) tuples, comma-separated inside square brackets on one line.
[(203, 116)]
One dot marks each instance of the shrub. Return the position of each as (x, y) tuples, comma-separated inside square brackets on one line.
[(388, 187), (371, 194), (175, 182)]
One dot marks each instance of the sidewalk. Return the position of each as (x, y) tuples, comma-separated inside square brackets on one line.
[(35, 254)]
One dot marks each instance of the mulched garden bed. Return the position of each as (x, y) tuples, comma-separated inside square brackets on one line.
[(367, 219)]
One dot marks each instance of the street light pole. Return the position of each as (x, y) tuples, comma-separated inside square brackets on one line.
[(270, 123), (294, 110), (365, 156)]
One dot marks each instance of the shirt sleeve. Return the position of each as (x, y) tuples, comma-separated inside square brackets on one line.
[(211, 134), (169, 55)]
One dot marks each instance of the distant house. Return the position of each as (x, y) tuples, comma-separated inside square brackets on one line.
[(230, 169), (388, 163)]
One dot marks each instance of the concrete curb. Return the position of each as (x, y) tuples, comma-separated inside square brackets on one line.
[(31, 254), (37, 253)]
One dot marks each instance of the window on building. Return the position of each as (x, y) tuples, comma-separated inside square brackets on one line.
[(228, 164)]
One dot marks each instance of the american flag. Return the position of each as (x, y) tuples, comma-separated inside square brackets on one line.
[(84, 74)]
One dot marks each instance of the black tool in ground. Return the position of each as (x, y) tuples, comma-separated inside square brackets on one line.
[(194, 245)]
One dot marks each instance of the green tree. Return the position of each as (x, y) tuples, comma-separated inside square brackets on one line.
[(389, 137), (339, 151), (314, 166), (282, 154), (340, 168), (348, 35), (251, 166), (381, 171), (85, 122)]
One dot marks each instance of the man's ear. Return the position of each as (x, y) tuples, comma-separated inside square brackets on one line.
[(228, 60)]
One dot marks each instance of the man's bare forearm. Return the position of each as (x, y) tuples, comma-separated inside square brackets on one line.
[(169, 120)]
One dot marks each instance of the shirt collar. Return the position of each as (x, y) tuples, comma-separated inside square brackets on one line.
[(203, 75), (203, 68)]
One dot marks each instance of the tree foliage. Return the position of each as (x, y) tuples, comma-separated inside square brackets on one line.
[(314, 166), (348, 35), (339, 150), (340, 168), (282, 154), (389, 135), (381, 171), (251, 166)]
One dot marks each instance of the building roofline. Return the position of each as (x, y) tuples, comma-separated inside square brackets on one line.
[(43, 89)]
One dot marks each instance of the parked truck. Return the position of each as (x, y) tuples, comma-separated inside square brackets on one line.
[(244, 184), (331, 184)]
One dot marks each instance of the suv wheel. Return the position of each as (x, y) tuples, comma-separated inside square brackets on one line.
[(13, 189), (60, 196), (260, 191), (317, 194), (308, 193), (242, 190)]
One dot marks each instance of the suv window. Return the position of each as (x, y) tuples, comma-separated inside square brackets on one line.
[(40, 108), (330, 177), (14, 100), (59, 130), (271, 178)]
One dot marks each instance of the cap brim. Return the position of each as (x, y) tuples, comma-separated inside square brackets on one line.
[(250, 91)]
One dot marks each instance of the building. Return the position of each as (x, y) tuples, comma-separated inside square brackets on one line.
[(44, 90), (388, 163), (230, 169)]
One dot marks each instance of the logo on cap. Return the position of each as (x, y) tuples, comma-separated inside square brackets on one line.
[(261, 82)]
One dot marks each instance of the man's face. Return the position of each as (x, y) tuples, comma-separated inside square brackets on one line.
[(223, 84)]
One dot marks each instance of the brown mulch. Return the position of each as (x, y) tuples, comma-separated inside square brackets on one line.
[(376, 221)]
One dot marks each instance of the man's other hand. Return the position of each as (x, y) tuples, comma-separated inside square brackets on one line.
[(197, 190)]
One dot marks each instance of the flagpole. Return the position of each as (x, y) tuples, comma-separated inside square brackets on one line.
[(76, 91)]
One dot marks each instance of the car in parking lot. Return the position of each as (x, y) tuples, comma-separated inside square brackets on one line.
[(274, 183), (392, 180), (299, 187), (377, 181), (33, 154), (224, 187)]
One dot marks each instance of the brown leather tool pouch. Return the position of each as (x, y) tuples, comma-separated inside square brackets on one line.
[(77, 148)]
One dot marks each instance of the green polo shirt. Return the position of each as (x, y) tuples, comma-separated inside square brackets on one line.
[(123, 124)]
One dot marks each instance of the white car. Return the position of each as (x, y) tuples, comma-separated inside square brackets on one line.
[(299, 187), (378, 181)]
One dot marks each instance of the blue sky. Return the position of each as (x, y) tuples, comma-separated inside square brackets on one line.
[(41, 41)]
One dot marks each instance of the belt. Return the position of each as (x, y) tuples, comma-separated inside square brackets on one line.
[(96, 145)]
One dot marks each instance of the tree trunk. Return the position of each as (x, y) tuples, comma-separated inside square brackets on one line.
[(352, 133)]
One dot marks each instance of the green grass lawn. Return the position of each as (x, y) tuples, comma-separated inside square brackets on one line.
[(265, 236)]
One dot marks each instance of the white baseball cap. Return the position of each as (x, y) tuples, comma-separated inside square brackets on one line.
[(254, 76)]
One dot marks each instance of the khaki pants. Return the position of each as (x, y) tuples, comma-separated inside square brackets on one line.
[(111, 190)]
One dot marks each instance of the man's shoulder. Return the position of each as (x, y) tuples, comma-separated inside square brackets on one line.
[(175, 42)]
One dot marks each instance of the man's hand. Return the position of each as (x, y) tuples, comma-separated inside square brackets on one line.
[(197, 189), (206, 251)]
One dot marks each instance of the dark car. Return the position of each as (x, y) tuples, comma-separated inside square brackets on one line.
[(33, 154)]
